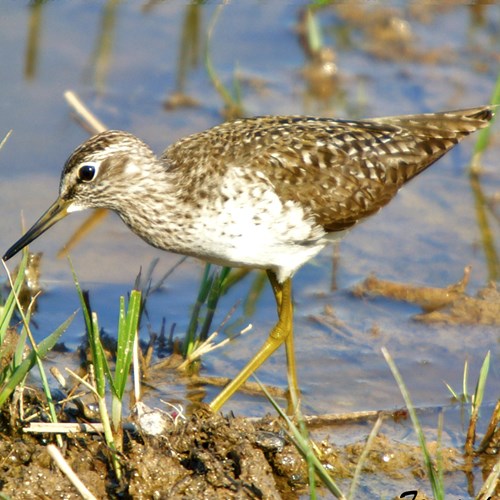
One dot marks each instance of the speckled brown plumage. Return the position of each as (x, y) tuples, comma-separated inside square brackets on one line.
[(341, 171), (266, 192)]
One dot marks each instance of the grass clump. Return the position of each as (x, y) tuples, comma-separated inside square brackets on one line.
[(128, 323)]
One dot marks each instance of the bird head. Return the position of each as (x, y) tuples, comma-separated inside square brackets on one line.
[(101, 173)]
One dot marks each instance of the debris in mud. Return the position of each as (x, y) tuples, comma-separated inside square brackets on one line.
[(205, 456), (200, 456), (445, 305)]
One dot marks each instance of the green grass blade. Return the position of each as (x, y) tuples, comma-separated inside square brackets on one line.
[(434, 476), (483, 136), (19, 353), (128, 325), (304, 447), (101, 372), (81, 296), (121, 352), (363, 457), (454, 395), (217, 289), (314, 36), (43, 348), (477, 401), (465, 381), (10, 303), (484, 226), (98, 356), (127, 329), (204, 289), (101, 367), (463, 397), (481, 383), (439, 450), (233, 103)]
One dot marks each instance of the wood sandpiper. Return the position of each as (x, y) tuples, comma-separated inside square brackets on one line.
[(267, 192)]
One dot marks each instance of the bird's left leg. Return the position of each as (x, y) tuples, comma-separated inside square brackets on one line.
[(280, 334)]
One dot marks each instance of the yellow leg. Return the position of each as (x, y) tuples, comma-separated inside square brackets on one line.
[(293, 386), (281, 333), (277, 290)]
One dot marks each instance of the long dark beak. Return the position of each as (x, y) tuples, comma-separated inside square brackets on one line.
[(57, 211)]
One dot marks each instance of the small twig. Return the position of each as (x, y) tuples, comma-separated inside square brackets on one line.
[(63, 428), (209, 346), (86, 227), (65, 468), (96, 126), (83, 112), (71, 428), (4, 140), (327, 419), (247, 387), (90, 387)]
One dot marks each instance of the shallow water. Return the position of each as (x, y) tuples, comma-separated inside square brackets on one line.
[(124, 60)]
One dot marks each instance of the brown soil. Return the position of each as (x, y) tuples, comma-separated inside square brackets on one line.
[(203, 456)]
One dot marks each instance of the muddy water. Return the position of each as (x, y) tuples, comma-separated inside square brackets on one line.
[(126, 60)]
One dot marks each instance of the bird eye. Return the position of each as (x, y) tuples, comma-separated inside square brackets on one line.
[(86, 173)]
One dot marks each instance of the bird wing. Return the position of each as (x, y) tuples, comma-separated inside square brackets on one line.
[(339, 171)]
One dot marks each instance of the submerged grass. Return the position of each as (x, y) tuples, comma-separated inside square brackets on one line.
[(231, 98), (212, 286), (482, 205)]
